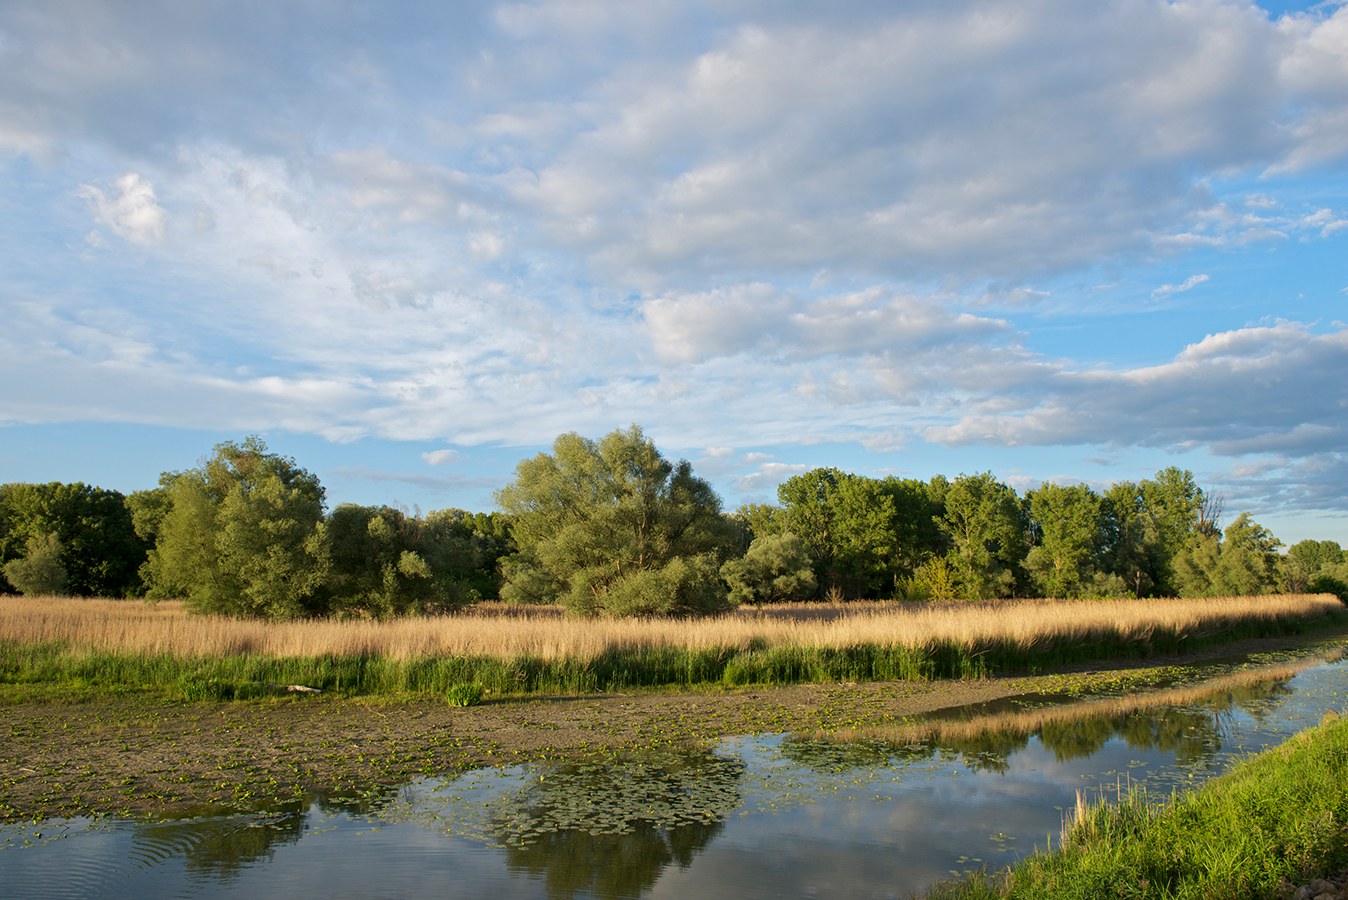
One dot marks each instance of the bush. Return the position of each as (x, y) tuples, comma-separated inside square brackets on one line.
[(40, 572), (776, 568), (1325, 584)]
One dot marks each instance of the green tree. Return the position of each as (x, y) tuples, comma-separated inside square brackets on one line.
[(489, 541), (760, 519), (864, 533), (39, 573), (1244, 564), (809, 511), (1306, 561), (244, 535), (1129, 548), (983, 521), (915, 535), (1066, 521), (1316, 555), (776, 568), (1172, 503), (385, 563), (99, 546), (148, 509), (612, 527), (1146, 526)]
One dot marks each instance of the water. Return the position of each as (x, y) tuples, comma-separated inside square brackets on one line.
[(762, 816)]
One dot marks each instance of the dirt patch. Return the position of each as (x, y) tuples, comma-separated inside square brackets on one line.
[(137, 756)]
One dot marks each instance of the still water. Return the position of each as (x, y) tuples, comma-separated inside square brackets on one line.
[(762, 816)]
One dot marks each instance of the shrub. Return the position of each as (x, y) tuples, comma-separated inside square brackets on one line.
[(40, 572)]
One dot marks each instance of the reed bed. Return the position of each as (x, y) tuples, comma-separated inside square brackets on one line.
[(98, 643), (166, 628)]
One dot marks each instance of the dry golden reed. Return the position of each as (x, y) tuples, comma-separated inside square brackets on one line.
[(131, 626)]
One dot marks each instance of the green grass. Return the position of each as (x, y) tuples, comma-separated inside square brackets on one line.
[(1272, 822), (56, 672)]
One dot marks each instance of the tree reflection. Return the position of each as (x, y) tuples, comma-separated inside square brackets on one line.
[(1192, 731), (611, 829), (218, 847)]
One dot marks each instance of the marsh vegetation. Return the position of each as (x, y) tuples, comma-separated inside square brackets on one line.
[(163, 648)]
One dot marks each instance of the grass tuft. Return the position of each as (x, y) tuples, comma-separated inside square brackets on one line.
[(464, 694)]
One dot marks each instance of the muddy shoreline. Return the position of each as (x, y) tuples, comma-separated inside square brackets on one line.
[(135, 757)]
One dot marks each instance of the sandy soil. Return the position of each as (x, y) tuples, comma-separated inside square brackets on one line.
[(142, 756)]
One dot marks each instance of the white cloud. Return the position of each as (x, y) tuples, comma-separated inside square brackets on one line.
[(1190, 282), (440, 457), (761, 319), (767, 475), (134, 213), (757, 225), (1253, 390)]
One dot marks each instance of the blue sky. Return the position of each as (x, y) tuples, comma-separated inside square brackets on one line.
[(410, 244)]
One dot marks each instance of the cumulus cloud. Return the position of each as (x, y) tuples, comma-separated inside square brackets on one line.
[(757, 224), (767, 475), (968, 140), (935, 140)]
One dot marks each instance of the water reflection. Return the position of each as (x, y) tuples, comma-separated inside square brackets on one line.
[(885, 812), (1188, 723), (575, 822), (216, 847)]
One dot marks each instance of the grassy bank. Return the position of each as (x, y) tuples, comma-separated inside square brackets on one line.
[(95, 646), (1257, 832)]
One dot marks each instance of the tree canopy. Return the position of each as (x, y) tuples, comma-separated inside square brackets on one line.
[(612, 527), (242, 534), (99, 548)]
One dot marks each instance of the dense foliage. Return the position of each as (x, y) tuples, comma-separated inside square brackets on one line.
[(97, 545), (612, 527)]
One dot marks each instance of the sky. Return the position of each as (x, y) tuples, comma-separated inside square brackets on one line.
[(410, 244)]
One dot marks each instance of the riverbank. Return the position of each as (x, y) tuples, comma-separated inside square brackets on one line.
[(144, 756), (1269, 828)]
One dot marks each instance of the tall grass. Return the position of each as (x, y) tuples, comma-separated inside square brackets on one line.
[(119, 642), (1269, 824)]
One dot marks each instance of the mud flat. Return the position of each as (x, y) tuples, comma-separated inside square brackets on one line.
[(152, 756)]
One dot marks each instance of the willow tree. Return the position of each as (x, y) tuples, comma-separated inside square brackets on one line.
[(612, 527), (242, 534)]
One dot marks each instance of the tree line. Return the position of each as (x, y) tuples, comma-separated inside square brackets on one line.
[(612, 527), (247, 533)]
